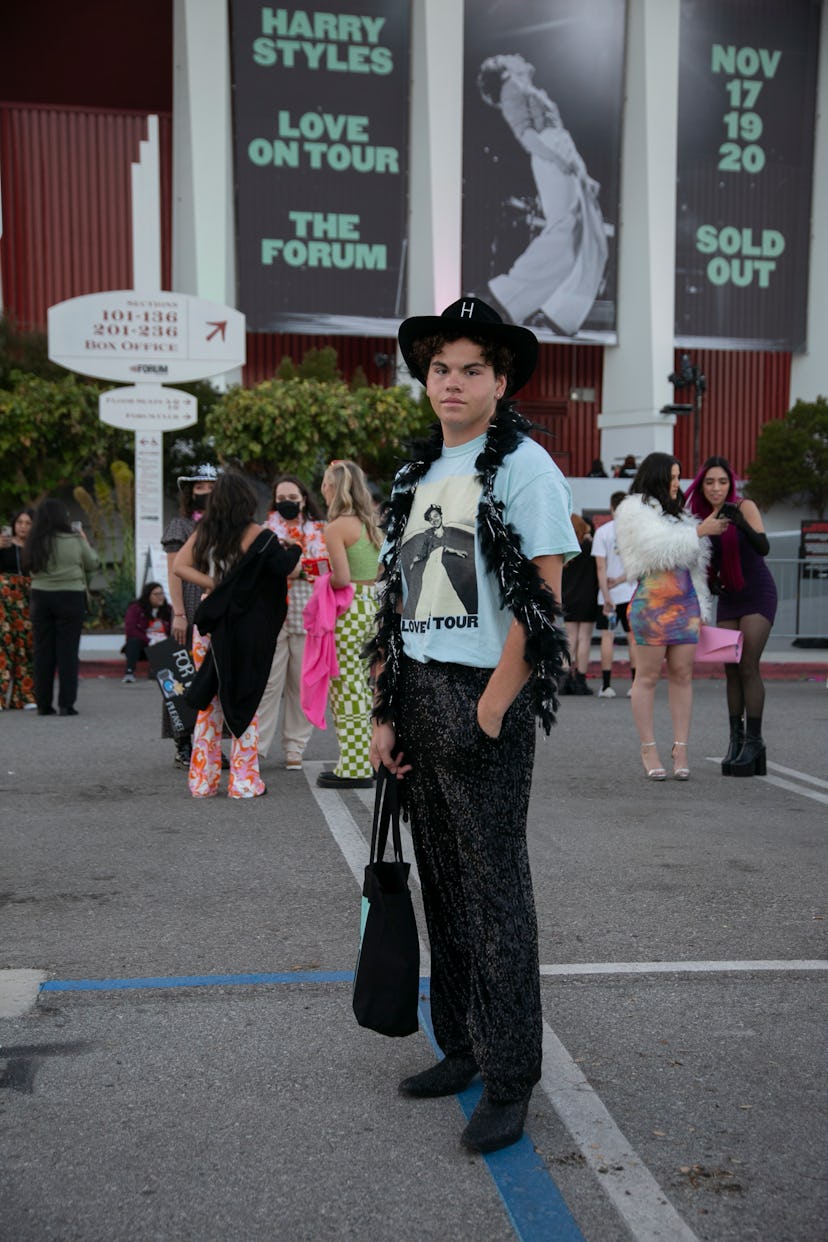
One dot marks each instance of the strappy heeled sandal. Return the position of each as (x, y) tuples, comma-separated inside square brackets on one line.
[(679, 774), (653, 774)]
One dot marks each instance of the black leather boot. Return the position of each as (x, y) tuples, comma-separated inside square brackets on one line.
[(751, 760), (737, 739)]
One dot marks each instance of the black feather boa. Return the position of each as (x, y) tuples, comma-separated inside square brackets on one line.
[(521, 588)]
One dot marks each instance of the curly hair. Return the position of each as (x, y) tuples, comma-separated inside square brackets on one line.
[(499, 357)]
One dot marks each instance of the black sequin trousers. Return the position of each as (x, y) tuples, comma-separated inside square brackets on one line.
[(468, 797)]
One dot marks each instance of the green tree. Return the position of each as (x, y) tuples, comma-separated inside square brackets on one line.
[(791, 460), (24, 351), (51, 436), (298, 425), (317, 364), (387, 418), (110, 511)]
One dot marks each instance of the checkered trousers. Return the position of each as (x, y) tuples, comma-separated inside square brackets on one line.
[(350, 693)]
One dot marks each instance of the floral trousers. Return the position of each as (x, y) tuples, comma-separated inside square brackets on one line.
[(16, 677), (205, 763)]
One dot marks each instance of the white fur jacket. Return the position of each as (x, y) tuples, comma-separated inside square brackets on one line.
[(650, 540)]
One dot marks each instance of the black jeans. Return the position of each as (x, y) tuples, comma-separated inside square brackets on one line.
[(468, 798), (135, 650), (57, 621)]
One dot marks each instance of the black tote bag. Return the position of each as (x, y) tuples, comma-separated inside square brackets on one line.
[(387, 976)]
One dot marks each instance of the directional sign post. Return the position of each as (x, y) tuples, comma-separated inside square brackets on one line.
[(145, 337), (144, 340), (149, 410)]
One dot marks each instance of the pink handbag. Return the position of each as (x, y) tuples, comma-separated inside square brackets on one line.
[(718, 646)]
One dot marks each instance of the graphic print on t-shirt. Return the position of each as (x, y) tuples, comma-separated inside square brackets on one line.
[(438, 556)]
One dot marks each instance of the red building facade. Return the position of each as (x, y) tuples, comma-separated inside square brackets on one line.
[(65, 156)]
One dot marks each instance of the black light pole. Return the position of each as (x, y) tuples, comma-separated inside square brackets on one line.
[(688, 375)]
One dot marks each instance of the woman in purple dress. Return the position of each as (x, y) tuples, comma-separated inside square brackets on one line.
[(746, 601)]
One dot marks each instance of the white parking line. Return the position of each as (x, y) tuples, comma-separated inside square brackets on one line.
[(670, 968), (789, 785), (620, 1172), (804, 777), (351, 841), (800, 776)]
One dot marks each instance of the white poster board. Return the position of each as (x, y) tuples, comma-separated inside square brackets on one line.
[(147, 407), (138, 337)]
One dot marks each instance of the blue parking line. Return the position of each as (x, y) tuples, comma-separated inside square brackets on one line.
[(532, 1201), (196, 981)]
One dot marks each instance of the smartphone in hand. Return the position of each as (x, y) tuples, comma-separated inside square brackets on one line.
[(728, 511)]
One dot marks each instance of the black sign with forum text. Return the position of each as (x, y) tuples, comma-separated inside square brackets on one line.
[(747, 90), (321, 158)]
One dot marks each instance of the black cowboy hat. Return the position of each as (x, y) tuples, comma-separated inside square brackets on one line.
[(482, 321)]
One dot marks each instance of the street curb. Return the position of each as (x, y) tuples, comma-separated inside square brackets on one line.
[(805, 670)]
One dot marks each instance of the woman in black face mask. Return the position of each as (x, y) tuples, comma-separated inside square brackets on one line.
[(295, 519)]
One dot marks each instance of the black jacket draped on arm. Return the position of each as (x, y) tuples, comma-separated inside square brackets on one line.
[(243, 616)]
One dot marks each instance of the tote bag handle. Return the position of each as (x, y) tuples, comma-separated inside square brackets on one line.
[(386, 815)]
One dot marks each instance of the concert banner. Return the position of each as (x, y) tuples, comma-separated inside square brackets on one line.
[(543, 90), (747, 97), (320, 120)]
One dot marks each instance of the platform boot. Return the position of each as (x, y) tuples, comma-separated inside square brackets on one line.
[(737, 740), (751, 760)]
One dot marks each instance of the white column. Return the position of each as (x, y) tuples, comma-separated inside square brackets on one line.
[(436, 155), (146, 278), (809, 378), (635, 383), (146, 212), (203, 252)]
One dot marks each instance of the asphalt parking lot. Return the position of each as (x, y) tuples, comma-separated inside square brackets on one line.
[(179, 1058)]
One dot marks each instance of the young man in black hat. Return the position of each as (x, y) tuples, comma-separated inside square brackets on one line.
[(467, 652)]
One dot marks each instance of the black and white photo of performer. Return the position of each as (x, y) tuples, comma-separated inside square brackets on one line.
[(444, 550), (561, 271)]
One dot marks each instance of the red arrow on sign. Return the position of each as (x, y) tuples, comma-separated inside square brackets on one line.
[(220, 326)]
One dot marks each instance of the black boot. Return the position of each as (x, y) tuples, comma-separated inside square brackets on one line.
[(581, 686), (447, 1077), (567, 685), (737, 739), (751, 760), (493, 1126)]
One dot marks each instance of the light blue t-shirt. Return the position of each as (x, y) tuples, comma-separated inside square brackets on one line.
[(451, 604)]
